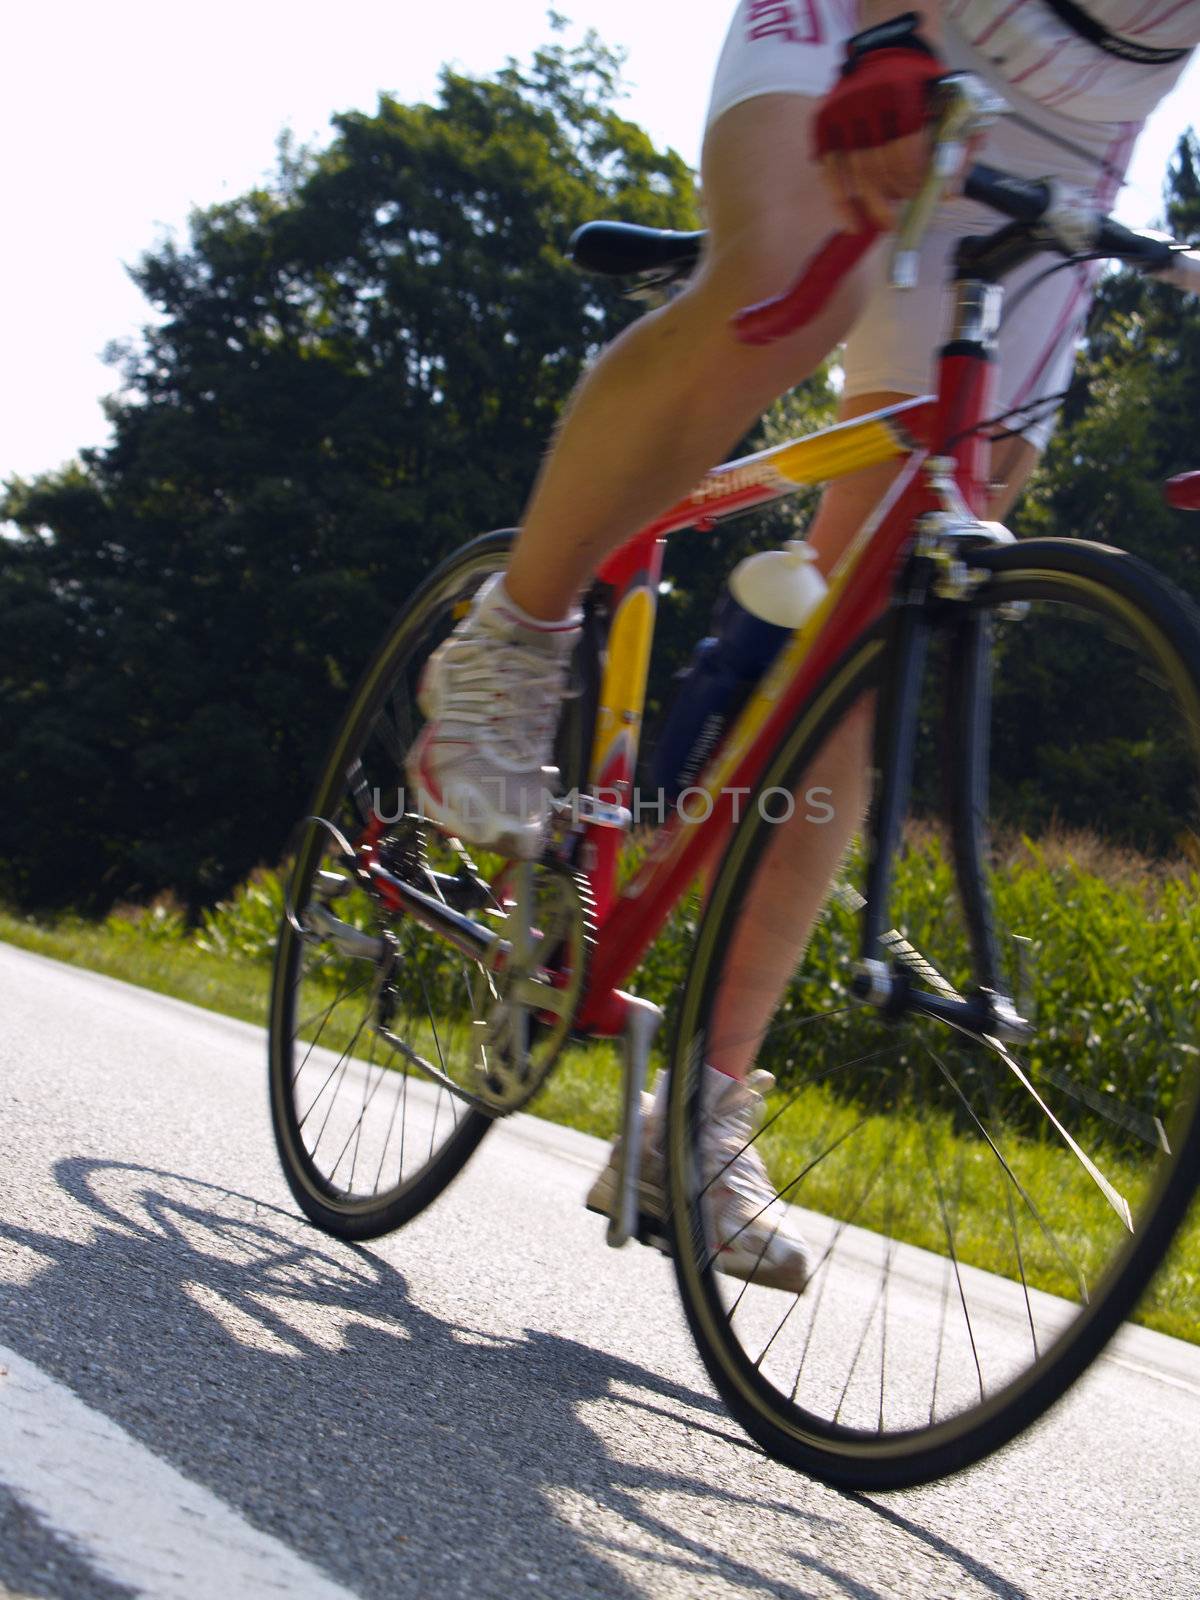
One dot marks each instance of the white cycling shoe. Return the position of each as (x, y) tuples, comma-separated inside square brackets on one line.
[(481, 767), (749, 1225)]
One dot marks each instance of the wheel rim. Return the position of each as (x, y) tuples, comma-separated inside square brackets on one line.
[(361, 1128), (964, 1256)]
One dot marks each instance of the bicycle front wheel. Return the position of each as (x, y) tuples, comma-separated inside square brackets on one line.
[(979, 1218)]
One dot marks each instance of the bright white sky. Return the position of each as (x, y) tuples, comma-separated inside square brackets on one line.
[(117, 119)]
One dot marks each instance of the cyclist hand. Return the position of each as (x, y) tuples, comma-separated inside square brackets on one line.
[(872, 131)]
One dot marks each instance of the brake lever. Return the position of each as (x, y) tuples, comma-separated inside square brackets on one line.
[(965, 108)]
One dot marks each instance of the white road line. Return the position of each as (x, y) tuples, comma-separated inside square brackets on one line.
[(130, 1515), (1156, 1373)]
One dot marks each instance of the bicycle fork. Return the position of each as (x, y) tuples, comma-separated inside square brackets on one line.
[(892, 974)]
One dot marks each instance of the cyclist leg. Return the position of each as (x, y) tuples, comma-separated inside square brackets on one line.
[(676, 390), (890, 356), (672, 395)]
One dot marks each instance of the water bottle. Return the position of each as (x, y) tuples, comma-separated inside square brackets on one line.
[(768, 597)]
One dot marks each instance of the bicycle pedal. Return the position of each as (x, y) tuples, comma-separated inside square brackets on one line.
[(582, 809), (650, 1230)]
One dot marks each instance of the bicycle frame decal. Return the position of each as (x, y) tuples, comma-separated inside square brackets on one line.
[(623, 688), (756, 480)]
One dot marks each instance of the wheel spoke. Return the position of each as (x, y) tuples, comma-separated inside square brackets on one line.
[(850, 1214), (342, 1063), (356, 781), (1048, 1232), (951, 1251), (327, 1011), (339, 1063), (1115, 1199), (846, 1066), (821, 1270), (782, 1029), (401, 1085), (370, 1085)]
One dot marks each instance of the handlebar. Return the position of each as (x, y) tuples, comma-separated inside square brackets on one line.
[(1069, 226), (1063, 221)]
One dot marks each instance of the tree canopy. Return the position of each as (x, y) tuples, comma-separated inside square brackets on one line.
[(1129, 420), (351, 370), (1129, 423)]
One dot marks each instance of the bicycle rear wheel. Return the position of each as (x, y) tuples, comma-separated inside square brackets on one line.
[(979, 1218), (366, 1138)]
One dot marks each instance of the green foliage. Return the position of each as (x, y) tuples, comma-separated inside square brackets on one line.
[(246, 925), (1129, 420), (162, 923), (350, 371), (1112, 970), (1110, 966)]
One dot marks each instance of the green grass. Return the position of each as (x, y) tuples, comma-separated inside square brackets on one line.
[(902, 1203), (585, 1093), (223, 966), (173, 966)]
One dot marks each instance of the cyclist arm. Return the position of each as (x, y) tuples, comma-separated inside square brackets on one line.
[(874, 181)]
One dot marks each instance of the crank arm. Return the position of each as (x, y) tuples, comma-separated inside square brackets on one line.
[(467, 937)]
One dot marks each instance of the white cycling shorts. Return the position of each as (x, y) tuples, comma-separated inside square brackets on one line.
[(796, 47)]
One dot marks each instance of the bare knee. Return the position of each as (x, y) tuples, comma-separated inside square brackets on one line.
[(769, 210), (762, 260)]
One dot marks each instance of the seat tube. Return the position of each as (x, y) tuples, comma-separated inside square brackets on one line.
[(633, 572), (966, 381)]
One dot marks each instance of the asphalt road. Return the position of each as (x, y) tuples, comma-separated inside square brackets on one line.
[(200, 1395)]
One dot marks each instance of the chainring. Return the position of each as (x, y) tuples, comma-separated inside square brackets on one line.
[(536, 1001)]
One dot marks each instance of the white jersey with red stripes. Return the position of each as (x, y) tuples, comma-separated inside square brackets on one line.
[(1030, 49)]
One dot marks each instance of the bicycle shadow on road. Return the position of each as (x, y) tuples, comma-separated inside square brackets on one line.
[(400, 1452)]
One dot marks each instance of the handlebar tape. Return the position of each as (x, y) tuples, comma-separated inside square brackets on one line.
[(1183, 491)]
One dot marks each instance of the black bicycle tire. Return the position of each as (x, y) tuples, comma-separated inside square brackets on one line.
[(372, 1217), (1165, 613)]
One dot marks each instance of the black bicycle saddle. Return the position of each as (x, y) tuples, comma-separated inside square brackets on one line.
[(624, 249)]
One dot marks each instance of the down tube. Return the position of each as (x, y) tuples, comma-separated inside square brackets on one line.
[(859, 592)]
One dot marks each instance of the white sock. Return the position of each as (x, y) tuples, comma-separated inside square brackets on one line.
[(504, 602)]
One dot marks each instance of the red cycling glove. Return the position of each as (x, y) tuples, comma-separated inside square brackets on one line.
[(883, 92)]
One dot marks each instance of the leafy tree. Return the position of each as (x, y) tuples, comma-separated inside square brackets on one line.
[(1129, 422), (352, 370)]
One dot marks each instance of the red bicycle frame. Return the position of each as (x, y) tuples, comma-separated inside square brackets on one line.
[(860, 589)]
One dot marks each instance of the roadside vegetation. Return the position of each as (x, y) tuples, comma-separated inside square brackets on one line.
[(354, 367), (1122, 1046)]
